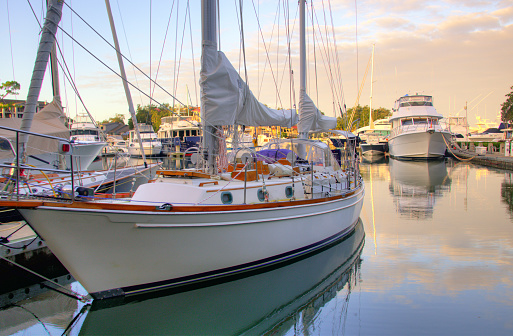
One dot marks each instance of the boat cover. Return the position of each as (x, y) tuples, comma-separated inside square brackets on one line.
[(311, 119), (227, 99)]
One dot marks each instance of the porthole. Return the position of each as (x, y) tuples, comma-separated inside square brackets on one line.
[(289, 192), (226, 197), (260, 195)]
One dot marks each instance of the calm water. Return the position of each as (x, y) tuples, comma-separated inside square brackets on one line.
[(432, 255)]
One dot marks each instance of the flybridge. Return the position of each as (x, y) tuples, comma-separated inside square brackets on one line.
[(415, 101)]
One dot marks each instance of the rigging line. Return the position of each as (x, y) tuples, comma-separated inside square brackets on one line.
[(10, 38), (315, 56), (240, 40), (65, 69), (267, 53), (122, 55), (174, 62), (278, 51), (336, 54), (192, 52), (329, 50), (127, 45), (260, 83), (181, 46), (73, 54), (151, 91), (324, 55), (329, 54), (129, 83), (164, 44), (356, 41), (284, 72), (325, 61)]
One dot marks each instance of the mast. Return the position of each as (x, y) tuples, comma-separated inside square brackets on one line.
[(47, 42), (125, 82), (209, 39), (371, 121), (302, 56)]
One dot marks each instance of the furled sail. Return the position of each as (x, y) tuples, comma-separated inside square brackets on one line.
[(227, 99), (311, 119)]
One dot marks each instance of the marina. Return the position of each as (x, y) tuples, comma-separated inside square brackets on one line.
[(427, 265), (245, 194)]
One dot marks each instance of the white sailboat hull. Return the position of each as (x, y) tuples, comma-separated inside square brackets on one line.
[(137, 251), (419, 144)]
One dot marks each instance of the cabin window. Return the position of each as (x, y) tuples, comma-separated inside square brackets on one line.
[(226, 197), (260, 195), (181, 134), (289, 192), (407, 122), (420, 121)]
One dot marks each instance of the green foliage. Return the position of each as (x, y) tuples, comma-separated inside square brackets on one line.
[(151, 114), (507, 107), (120, 118), (362, 113), (9, 87)]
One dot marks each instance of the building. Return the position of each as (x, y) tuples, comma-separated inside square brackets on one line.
[(13, 108)]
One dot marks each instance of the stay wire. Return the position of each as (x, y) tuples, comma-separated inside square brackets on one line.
[(267, 54), (132, 85), (128, 46), (10, 38), (164, 44)]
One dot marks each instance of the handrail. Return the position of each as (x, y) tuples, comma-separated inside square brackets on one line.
[(18, 166)]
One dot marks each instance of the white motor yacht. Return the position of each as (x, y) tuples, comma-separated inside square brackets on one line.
[(151, 144), (417, 132)]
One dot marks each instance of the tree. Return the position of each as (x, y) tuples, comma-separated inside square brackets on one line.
[(361, 113), (507, 108), (9, 87), (119, 118)]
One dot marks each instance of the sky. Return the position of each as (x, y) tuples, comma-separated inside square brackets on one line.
[(460, 52)]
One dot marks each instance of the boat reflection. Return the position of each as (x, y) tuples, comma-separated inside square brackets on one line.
[(374, 159), (274, 301), (415, 186)]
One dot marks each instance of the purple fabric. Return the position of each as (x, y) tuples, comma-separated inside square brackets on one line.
[(272, 155)]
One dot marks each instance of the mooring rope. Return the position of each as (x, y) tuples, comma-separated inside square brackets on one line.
[(74, 294)]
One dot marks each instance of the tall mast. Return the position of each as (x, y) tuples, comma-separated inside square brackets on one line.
[(47, 42), (302, 56), (125, 82), (371, 121), (209, 39)]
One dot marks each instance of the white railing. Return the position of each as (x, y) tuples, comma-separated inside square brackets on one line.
[(414, 128)]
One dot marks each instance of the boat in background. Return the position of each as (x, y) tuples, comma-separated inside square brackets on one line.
[(178, 133), (151, 145), (417, 132), (374, 142)]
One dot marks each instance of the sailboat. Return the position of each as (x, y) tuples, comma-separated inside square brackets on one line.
[(374, 141), (223, 217)]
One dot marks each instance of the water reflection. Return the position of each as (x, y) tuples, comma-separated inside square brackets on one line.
[(415, 186), (275, 301), (507, 191)]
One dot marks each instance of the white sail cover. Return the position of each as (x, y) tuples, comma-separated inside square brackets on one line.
[(311, 119), (227, 99), (49, 121)]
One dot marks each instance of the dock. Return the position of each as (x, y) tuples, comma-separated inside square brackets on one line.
[(484, 158), (21, 245)]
